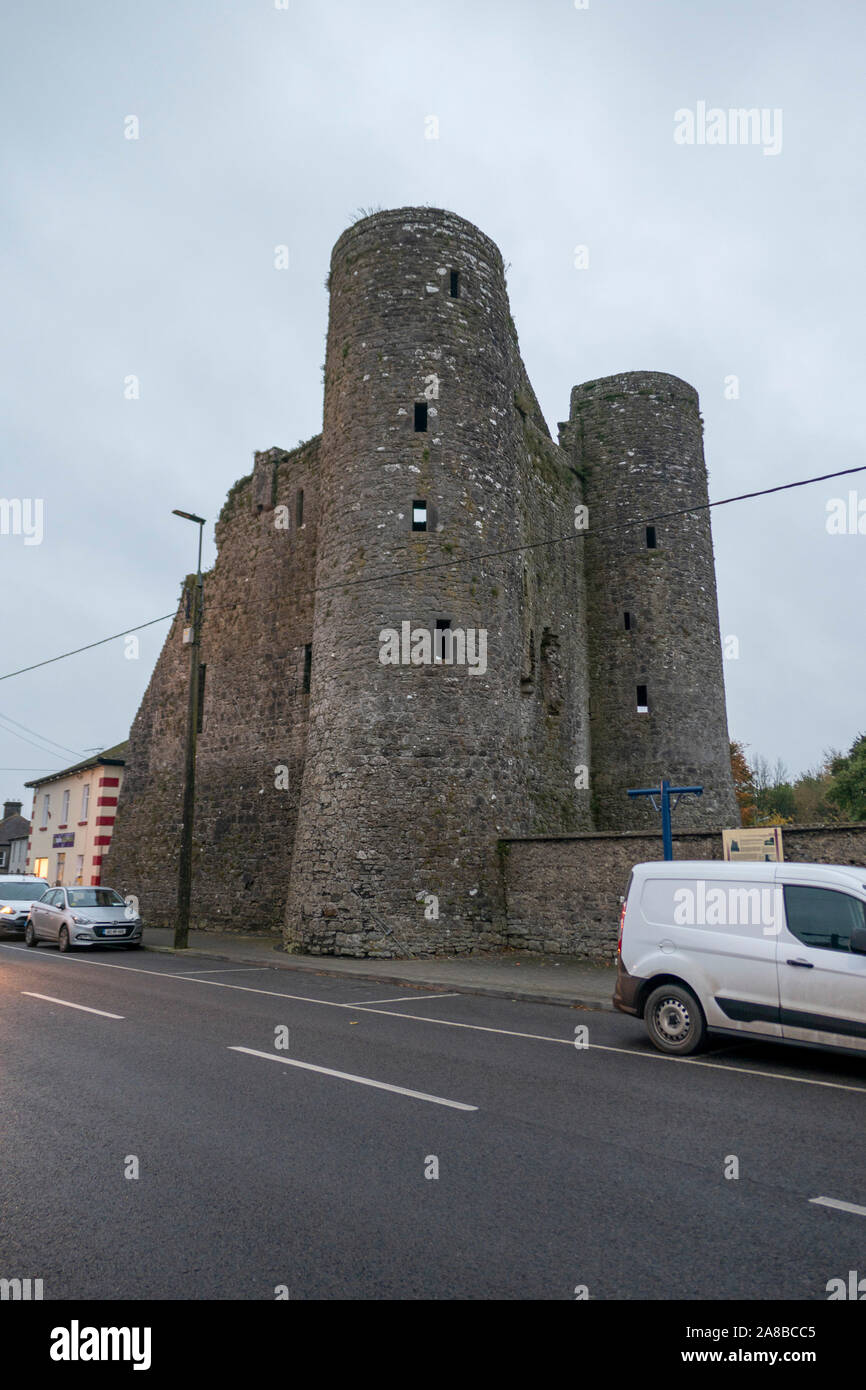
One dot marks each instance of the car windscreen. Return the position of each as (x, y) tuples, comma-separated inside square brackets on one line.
[(20, 892), (94, 897)]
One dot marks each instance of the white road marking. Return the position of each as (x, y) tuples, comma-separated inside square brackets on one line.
[(361, 1080), (49, 998), (451, 1023), (839, 1206), (226, 970), (403, 999)]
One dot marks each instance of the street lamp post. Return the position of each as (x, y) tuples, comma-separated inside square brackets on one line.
[(191, 637)]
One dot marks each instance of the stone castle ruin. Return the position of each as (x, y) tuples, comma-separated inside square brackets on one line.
[(359, 763)]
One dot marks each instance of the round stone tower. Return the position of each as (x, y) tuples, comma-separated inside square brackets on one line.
[(409, 777), (657, 696)]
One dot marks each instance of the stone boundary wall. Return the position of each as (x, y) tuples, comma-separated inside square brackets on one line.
[(562, 892)]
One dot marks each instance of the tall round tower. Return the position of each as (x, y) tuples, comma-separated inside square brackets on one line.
[(657, 695), (409, 775)]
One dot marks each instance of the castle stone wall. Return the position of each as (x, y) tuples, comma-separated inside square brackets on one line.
[(563, 892), (258, 612), (638, 440), (364, 813), (424, 766)]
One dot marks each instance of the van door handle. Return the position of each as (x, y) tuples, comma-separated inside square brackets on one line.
[(806, 964)]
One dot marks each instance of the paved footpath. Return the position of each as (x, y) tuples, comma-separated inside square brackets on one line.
[(513, 975)]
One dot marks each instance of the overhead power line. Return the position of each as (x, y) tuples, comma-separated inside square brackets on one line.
[(476, 557), (33, 744), (89, 647), (7, 719), (582, 535)]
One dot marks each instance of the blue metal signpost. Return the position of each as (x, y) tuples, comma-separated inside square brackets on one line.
[(665, 792)]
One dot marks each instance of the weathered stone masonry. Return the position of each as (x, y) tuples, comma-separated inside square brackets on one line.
[(402, 779), (563, 891)]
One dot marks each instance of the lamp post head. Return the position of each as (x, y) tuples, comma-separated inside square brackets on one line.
[(188, 516)]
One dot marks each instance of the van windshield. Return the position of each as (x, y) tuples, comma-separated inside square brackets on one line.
[(94, 897)]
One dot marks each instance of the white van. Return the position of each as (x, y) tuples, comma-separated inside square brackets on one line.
[(770, 950)]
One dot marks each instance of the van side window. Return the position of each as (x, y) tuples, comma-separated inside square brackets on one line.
[(823, 917)]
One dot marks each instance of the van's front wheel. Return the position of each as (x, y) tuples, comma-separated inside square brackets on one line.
[(674, 1020)]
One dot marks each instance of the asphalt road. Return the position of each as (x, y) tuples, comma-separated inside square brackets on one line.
[(558, 1166)]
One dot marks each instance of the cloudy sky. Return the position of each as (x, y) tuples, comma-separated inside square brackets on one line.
[(261, 125)]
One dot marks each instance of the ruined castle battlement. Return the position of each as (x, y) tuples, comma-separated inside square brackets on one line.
[(354, 775)]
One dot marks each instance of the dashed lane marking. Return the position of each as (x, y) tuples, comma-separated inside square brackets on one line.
[(472, 1027), (360, 1080), (67, 1004), (837, 1205), (403, 999)]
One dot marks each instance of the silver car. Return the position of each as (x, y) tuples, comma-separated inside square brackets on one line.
[(82, 917)]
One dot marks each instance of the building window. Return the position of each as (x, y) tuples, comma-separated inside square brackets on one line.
[(419, 516), (202, 670), (642, 700), (420, 416), (85, 801), (455, 284), (308, 667), (626, 617), (64, 810), (651, 542), (40, 868), (299, 508), (2, 859), (527, 675), (61, 869), (440, 646), (46, 811), (79, 869), (551, 671)]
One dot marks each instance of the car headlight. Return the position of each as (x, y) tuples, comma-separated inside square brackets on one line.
[(81, 921), (7, 909)]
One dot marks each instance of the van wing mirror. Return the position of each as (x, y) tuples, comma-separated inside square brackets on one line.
[(858, 941)]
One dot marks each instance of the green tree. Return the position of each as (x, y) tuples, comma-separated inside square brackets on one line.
[(848, 788), (811, 792), (744, 782)]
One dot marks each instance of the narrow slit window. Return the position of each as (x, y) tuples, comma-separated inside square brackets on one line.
[(202, 670), (299, 507), (651, 541), (440, 647), (642, 700), (455, 284), (626, 620), (420, 416), (419, 516), (308, 667)]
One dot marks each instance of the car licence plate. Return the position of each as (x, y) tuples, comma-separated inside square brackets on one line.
[(115, 931)]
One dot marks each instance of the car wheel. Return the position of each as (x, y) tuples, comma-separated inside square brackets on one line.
[(63, 940), (675, 1020), (30, 937)]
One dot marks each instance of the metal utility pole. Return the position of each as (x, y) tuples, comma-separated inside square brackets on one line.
[(191, 637), (665, 792)]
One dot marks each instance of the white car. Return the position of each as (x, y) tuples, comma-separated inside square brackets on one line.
[(17, 892), (82, 917), (774, 951)]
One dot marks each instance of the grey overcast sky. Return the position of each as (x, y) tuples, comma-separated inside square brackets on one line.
[(262, 126)]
